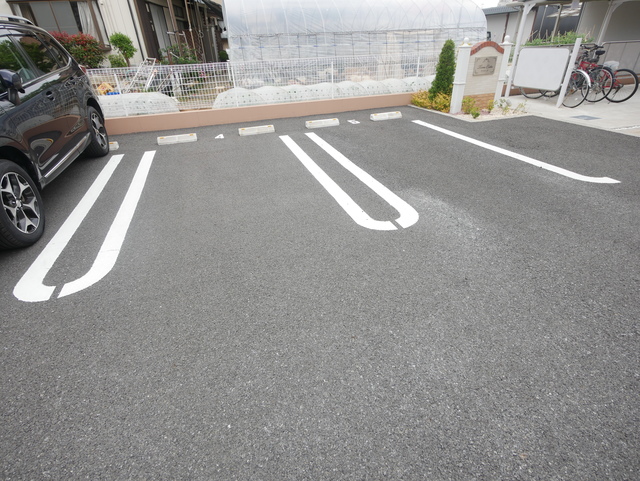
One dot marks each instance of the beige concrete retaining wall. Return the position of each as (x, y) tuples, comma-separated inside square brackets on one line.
[(201, 118)]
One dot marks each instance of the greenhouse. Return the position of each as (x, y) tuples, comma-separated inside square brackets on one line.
[(296, 29), (284, 51)]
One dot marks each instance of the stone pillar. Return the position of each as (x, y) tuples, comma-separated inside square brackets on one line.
[(482, 62), (502, 76), (460, 79)]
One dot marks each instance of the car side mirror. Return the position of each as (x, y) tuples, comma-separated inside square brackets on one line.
[(13, 83), (11, 80)]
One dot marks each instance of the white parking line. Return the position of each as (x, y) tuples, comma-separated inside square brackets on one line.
[(408, 215), (523, 158), (108, 254), (31, 287)]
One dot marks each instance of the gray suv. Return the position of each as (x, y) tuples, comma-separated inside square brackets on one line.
[(49, 115)]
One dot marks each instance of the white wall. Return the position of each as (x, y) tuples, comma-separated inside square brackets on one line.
[(5, 9), (117, 18), (624, 24), (497, 25), (591, 18)]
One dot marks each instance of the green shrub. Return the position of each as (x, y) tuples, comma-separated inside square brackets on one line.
[(504, 105), (568, 38), (421, 99), (124, 45), (117, 61), (445, 71), (475, 112), (441, 102), (178, 54), (223, 56), (468, 104), (83, 47), (521, 108)]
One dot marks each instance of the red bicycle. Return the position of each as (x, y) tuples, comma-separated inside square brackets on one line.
[(625, 82), (607, 80)]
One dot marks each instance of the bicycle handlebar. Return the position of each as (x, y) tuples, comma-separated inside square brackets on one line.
[(591, 46)]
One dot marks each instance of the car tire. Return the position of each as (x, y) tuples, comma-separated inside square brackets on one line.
[(21, 210), (99, 145)]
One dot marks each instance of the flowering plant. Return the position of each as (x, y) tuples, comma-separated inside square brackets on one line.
[(83, 47)]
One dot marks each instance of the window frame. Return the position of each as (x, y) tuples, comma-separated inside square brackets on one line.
[(12, 35), (96, 17)]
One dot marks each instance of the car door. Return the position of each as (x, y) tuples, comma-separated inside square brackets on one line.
[(47, 113)]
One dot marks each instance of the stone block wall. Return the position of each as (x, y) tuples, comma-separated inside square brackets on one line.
[(482, 100)]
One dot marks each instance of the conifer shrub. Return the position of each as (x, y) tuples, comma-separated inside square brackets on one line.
[(445, 71), (438, 97)]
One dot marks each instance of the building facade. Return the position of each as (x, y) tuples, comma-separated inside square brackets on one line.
[(154, 26)]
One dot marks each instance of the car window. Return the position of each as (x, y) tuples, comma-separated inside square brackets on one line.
[(41, 56), (12, 58), (61, 57)]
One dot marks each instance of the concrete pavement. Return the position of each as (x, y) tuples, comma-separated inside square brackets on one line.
[(618, 117)]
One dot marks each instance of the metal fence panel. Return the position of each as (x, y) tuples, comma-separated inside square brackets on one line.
[(219, 85)]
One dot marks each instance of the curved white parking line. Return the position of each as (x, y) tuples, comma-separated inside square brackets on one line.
[(408, 215), (108, 254), (523, 158), (346, 202), (30, 287)]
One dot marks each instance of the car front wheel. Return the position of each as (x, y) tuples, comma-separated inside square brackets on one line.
[(99, 145), (22, 215)]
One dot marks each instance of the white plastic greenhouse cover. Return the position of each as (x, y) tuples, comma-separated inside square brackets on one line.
[(283, 29)]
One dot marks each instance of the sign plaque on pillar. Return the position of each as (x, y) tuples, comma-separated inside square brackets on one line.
[(484, 65)]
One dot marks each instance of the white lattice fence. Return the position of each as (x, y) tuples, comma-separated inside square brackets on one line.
[(171, 88)]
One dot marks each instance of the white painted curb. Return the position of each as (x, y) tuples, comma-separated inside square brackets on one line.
[(261, 129), (177, 139), (314, 124), (385, 116)]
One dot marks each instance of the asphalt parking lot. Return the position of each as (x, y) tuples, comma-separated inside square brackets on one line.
[(374, 300)]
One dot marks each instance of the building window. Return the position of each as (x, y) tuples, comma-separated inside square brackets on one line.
[(72, 17)]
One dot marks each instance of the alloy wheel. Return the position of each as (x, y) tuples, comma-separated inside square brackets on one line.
[(97, 125), (19, 202)]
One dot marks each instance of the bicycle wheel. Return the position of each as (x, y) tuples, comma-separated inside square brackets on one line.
[(624, 86), (577, 90), (531, 93), (601, 83), (550, 93)]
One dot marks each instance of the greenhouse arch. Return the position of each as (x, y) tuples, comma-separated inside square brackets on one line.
[(292, 29)]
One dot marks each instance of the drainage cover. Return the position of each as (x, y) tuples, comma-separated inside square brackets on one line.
[(585, 117)]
